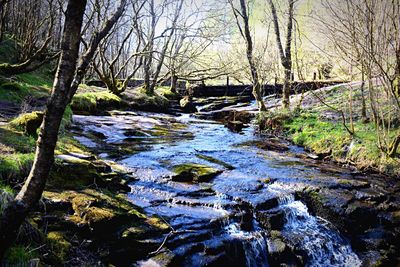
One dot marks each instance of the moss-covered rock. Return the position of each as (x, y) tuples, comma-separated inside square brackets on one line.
[(190, 172), (28, 122), (95, 102), (138, 99)]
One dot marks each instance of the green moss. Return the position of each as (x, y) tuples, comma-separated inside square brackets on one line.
[(331, 138), (194, 172), (19, 256), (16, 92), (165, 91), (59, 245), (6, 195), (140, 100), (89, 102), (15, 166)]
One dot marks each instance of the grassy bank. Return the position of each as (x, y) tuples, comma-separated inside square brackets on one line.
[(328, 138)]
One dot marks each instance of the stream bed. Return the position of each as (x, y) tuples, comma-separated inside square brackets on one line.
[(248, 215)]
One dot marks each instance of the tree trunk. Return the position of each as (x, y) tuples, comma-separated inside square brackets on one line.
[(254, 72), (285, 55), (31, 192), (363, 102), (286, 89), (174, 82)]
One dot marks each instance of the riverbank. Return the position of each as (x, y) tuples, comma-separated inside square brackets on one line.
[(318, 126)]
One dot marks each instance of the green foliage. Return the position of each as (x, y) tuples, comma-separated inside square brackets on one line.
[(41, 77), (6, 195), (19, 256), (331, 138), (59, 245), (15, 166)]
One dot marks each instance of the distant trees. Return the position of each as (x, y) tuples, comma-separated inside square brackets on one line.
[(242, 21), (367, 33), (31, 24), (69, 74), (119, 55)]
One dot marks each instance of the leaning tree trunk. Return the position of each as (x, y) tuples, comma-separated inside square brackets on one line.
[(17, 210)]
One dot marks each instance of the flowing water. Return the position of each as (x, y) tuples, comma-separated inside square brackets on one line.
[(219, 215)]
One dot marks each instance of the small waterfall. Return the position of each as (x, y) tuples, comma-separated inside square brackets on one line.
[(323, 245), (285, 199), (254, 244)]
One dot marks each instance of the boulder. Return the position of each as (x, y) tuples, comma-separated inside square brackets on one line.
[(187, 105), (272, 219), (28, 122), (235, 126), (190, 172)]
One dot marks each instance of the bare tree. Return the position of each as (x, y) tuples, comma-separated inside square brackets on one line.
[(17, 210), (367, 33), (285, 54), (118, 59), (68, 77), (242, 21)]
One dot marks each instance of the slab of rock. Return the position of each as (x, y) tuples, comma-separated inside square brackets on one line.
[(190, 172)]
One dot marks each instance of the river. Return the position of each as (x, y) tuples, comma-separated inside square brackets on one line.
[(219, 222)]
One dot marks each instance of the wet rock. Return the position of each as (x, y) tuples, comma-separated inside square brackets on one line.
[(373, 239), (267, 204), (216, 161), (272, 219), (139, 100), (187, 105), (190, 172), (165, 258), (272, 145), (99, 135), (362, 214), (279, 253), (235, 126), (351, 184)]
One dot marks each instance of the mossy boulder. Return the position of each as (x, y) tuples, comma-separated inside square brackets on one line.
[(95, 102), (28, 122), (191, 172), (139, 100), (70, 172), (101, 212)]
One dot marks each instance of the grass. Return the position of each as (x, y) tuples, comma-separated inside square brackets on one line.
[(19, 256), (16, 92), (17, 149), (331, 138)]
